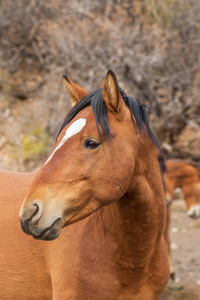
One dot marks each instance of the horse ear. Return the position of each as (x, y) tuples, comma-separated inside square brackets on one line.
[(74, 92), (111, 93)]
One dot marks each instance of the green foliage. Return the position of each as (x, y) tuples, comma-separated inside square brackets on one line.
[(33, 144)]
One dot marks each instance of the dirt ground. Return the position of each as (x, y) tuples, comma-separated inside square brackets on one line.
[(185, 248)]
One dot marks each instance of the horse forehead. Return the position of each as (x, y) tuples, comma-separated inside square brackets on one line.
[(72, 130), (77, 122)]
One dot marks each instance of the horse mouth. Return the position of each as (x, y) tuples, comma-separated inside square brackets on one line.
[(50, 233)]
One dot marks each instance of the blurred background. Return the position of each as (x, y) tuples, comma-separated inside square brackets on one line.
[(153, 46)]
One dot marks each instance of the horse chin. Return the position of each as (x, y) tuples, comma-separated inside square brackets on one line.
[(50, 233)]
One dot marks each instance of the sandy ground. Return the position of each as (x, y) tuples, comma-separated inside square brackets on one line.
[(185, 245)]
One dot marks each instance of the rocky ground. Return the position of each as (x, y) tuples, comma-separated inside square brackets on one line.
[(185, 244)]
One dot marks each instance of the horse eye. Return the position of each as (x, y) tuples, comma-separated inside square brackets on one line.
[(91, 144)]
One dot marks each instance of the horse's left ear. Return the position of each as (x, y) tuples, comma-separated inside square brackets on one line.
[(74, 92), (112, 95)]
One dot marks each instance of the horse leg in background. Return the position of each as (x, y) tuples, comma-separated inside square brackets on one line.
[(167, 240)]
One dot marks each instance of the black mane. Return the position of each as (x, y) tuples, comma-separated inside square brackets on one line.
[(95, 99)]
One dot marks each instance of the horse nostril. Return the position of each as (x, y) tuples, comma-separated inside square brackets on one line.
[(31, 214), (36, 210), (37, 213)]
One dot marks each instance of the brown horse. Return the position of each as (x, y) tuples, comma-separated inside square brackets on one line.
[(184, 175), (103, 182)]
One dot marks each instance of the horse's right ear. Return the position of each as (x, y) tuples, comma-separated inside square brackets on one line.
[(112, 96), (74, 92)]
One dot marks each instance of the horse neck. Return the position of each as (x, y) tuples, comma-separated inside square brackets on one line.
[(191, 192), (181, 175), (134, 223)]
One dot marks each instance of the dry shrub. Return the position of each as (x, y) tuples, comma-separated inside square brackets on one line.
[(152, 45)]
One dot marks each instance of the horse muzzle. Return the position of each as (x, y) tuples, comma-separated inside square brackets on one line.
[(29, 220)]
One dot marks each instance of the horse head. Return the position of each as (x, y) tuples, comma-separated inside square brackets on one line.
[(92, 164)]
